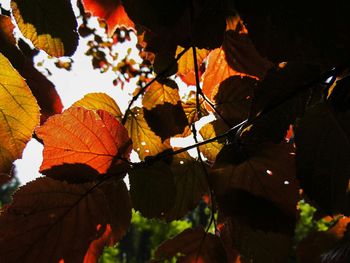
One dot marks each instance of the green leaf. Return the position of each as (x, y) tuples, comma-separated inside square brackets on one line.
[(50, 25), (19, 114)]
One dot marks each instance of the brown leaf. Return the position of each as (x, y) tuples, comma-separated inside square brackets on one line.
[(323, 160), (195, 246), (45, 220), (94, 138)]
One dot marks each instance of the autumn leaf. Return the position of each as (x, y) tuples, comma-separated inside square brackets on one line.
[(217, 71), (94, 138), (323, 145), (191, 184), (186, 69), (255, 245), (38, 21), (266, 171), (193, 245), (278, 35), (233, 98), (19, 115), (112, 11), (100, 101), (160, 93), (242, 56), (145, 141), (42, 89), (45, 220), (209, 131), (282, 97), (166, 120), (152, 189)]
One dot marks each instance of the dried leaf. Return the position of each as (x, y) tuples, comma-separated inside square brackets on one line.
[(45, 220), (83, 136), (19, 115), (145, 141), (51, 26)]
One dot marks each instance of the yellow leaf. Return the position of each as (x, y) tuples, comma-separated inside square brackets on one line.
[(100, 101), (145, 141), (159, 94), (19, 114), (50, 25)]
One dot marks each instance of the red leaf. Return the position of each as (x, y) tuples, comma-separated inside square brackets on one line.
[(83, 136), (110, 10)]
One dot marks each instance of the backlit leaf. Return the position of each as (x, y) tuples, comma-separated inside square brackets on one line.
[(158, 94), (323, 160), (266, 171), (83, 136), (186, 64), (50, 25), (42, 89), (52, 220), (233, 98), (100, 101), (166, 120), (208, 131), (152, 189), (191, 185), (217, 71), (145, 141), (19, 114), (193, 245), (110, 10)]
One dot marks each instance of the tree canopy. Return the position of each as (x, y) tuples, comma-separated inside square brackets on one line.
[(274, 74)]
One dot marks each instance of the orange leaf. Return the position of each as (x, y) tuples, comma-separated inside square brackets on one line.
[(52, 220), (83, 136), (110, 10)]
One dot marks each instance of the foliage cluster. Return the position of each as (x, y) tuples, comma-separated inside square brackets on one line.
[(276, 83)]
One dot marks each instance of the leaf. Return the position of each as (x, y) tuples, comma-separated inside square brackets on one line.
[(281, 98), (145, 141), (94, 138), (100, 101), (186, 69), (191, 184), (280, 37), (112, 11), (152, 189), (217, 71), (160, 93), (255, 245), (233, 98), (51, 26), (166, 120), (42, 89), (242, 56), (318, 246), (45, 220), (266, 171), (194, 245), (19, 114), (208, 131), (323, 160)]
